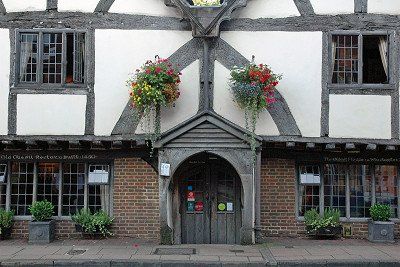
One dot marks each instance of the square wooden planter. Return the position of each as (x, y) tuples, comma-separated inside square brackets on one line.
[(42, 232), (381, 231)]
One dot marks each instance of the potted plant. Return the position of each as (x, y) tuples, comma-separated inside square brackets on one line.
[(93, 225), (253, 87), (326, 225), (380, 228), (155, 84), (42, 227), (6, 223)]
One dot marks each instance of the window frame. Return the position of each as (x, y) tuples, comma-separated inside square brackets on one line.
[(348, 218), (39, 85), (59, 216), (391, 83)]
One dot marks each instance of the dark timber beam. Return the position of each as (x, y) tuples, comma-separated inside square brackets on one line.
[(2, 8), (304, 7), (360, 6), (104, 6), (52, 5)]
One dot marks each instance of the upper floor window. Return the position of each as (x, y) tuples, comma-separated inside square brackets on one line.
[(360, 59), (51, 57)]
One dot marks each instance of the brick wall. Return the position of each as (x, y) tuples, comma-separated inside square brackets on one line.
[(278, 180), (136, 204), (136, 200)]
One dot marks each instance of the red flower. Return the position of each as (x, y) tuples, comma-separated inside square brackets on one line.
[(158, 70), (270, 100), (139, 92), (275, 83), (148, 71)]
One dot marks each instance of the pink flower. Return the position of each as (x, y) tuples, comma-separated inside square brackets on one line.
[(158, 70)]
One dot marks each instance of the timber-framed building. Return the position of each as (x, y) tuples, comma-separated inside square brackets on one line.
[(330, 140)]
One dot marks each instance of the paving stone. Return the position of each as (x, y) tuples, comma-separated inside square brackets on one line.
[(56, 257), (145, 257), (233, 259), (256, 259), (204, 258), (175, 257), (281, 252)]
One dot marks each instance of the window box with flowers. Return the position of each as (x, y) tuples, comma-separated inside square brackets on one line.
[(154, 85), (253, 88)]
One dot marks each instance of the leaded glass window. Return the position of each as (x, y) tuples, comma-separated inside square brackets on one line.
[(22, 182), (48, 183), (386, 187), (28, 57), (335, 187), (360, 180), (73, 188)]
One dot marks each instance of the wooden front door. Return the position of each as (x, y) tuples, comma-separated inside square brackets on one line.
[(210, 206)]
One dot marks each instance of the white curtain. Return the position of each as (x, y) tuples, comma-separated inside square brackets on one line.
[(104, 196), (333, 54), (26, 51), (383, 50)]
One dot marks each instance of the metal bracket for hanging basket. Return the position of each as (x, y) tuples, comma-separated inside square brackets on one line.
[(206, 20)]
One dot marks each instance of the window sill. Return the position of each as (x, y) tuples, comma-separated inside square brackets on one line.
[(78, 90), (380, 86), (29, 218), (352, 220)]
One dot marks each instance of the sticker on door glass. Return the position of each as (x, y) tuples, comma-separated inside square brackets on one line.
[(190, 188), (221, 206), (199, 206), (190, 206), (229, 206), (190, 196)]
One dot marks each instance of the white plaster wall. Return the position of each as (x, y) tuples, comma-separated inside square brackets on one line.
[(333, 7), (268, 9), (226, 107), (384, 6), (144, 7), (118, 54), (4, 79), (298, 57), (77, 5), (359, 116), (24, 5), (51, 114)]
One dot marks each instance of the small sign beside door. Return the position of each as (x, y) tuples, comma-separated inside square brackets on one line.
[(165, 169)]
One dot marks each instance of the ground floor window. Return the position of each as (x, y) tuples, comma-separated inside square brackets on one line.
[(65, 185), (351, 189)]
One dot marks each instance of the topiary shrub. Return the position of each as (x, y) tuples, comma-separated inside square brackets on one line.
[(41, 210), (380, 212)]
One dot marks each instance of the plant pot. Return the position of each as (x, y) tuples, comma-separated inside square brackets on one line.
[(381, 231), (5, 233), (42, 232), (330, 231)]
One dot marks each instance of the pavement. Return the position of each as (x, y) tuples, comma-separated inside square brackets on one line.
[(130, 252)]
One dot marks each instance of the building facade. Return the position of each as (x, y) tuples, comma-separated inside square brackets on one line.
[(330, 140)]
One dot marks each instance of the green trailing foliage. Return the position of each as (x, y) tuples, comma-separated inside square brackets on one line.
[(41, 210), (98, 222), (380, 212), (6, 220), (315, 221)]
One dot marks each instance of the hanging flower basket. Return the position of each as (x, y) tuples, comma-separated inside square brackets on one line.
[(253, 88), (154, 85)]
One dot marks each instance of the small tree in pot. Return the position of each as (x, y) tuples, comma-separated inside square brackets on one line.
[(381, 229), (42, 227), (6, 223)]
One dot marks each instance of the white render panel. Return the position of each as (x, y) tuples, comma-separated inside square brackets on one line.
[(51, 114), (333, 7), (298, 57), (117, 57), (268, 9), (384, 6), (22, 6), (4, 79), (144, 7), (187, 104), (227, 108), (355, 116), (77, 5)]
